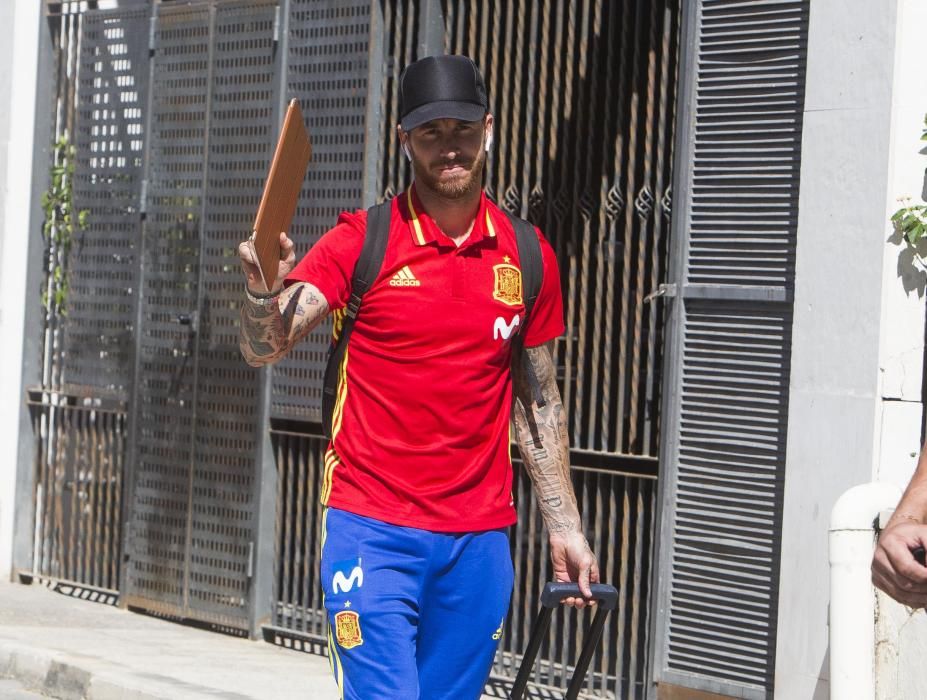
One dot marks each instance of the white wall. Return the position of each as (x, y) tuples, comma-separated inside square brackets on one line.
[(19, 34), (6, 79), (902, 634), (902, 350), (835, 399)]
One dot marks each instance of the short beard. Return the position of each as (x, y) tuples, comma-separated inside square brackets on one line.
[(459, 187)]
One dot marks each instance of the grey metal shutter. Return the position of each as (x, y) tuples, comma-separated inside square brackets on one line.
[(225, 488), (112, 101), (729, 337), (327, 69), (164, 408), (195, 493)]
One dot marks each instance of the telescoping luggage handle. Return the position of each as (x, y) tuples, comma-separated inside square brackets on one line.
[(554, 592)]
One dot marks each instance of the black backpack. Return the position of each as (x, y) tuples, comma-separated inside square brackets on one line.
[(366, 271)]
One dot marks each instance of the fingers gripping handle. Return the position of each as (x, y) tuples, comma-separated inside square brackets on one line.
[(551, 596), (554, 592)]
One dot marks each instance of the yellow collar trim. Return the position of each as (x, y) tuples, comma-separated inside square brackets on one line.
[(416, 224)]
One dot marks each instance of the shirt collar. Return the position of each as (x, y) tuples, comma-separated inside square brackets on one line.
[(424, 230)]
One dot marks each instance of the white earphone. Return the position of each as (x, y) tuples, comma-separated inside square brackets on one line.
[(405, 148), (488, 140)]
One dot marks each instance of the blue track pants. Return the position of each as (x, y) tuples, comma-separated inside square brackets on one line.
[(412, 613)]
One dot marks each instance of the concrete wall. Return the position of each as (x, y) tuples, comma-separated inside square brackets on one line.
[(834, 391), (19, 36), (6, 84), (901, 642), (858, 344), (905, 283)]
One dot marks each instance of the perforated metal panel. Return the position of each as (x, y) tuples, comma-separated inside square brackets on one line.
[(212, 134), (156, 575), (731, 324), (225, 492), (112, 99), (327, 71)]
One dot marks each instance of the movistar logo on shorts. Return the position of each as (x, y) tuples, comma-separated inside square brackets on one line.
[(348, 575), (500, 327), (404, 278)]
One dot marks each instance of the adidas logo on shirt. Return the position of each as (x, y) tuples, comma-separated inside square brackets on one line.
[(404, 278)]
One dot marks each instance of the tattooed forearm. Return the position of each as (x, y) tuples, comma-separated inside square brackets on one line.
[(268, 332), (543, 441), (262, 333)]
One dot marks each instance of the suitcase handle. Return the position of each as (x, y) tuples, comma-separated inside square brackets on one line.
[(555, 591)]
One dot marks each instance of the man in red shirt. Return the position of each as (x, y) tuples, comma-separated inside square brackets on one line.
[(417, 485)]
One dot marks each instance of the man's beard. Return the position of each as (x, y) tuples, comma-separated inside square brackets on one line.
[(458, 186)]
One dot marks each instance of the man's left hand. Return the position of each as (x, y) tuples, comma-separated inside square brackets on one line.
[(574, 562)]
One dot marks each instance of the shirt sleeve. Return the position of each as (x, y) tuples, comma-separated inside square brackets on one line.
[(329, 264), (546, 322)]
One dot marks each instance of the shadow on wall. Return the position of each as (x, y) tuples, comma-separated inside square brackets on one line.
[(912, 260)]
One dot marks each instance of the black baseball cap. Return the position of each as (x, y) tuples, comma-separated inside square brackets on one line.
[(441, 87)]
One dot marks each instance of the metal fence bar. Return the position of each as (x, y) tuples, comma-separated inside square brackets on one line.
[(78, 487), (666, 118)]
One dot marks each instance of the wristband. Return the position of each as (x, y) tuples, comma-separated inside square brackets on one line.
[(262, 299)]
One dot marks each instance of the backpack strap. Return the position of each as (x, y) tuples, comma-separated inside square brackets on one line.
[(365, 272), (532, 274)]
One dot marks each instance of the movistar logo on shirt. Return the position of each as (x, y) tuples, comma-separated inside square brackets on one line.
[(404, 278), (500, 327)]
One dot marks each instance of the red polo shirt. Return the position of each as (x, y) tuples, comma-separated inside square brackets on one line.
[(421, 427)]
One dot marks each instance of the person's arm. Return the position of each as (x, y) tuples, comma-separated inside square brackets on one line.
[(894, 568), (541, 434), (272, 325)]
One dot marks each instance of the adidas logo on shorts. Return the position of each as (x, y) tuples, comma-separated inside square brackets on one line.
[(404, 278)]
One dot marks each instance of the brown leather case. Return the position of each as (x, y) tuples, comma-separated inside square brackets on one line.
[(281, 191)]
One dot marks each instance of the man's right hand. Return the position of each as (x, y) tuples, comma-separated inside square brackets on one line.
[(252, 272), (894, 568)]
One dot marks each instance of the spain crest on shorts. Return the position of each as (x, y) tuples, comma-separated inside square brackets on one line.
[(348, 630), (507, 284)]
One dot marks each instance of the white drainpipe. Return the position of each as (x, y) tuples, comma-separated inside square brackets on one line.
[(852, 597)]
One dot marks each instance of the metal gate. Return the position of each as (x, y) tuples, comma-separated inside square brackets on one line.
[(191, 541), (80, 410), (583, 92), (729, 347)]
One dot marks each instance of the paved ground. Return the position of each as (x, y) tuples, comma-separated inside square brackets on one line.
[(53, 645), (12, 689), (67, 648)]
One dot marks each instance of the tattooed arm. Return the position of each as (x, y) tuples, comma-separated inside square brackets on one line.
[(271, 328), (541, 433), (269, 331)]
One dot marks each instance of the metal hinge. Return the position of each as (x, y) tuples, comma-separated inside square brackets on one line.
[(250, 559), (277, 24), (143, 198), (664, 290)]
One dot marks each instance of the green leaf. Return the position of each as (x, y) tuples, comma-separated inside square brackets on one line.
[(916, 233), (898, 214)]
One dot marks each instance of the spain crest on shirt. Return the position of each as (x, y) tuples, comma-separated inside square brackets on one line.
[(347, 629), (507, 284)]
